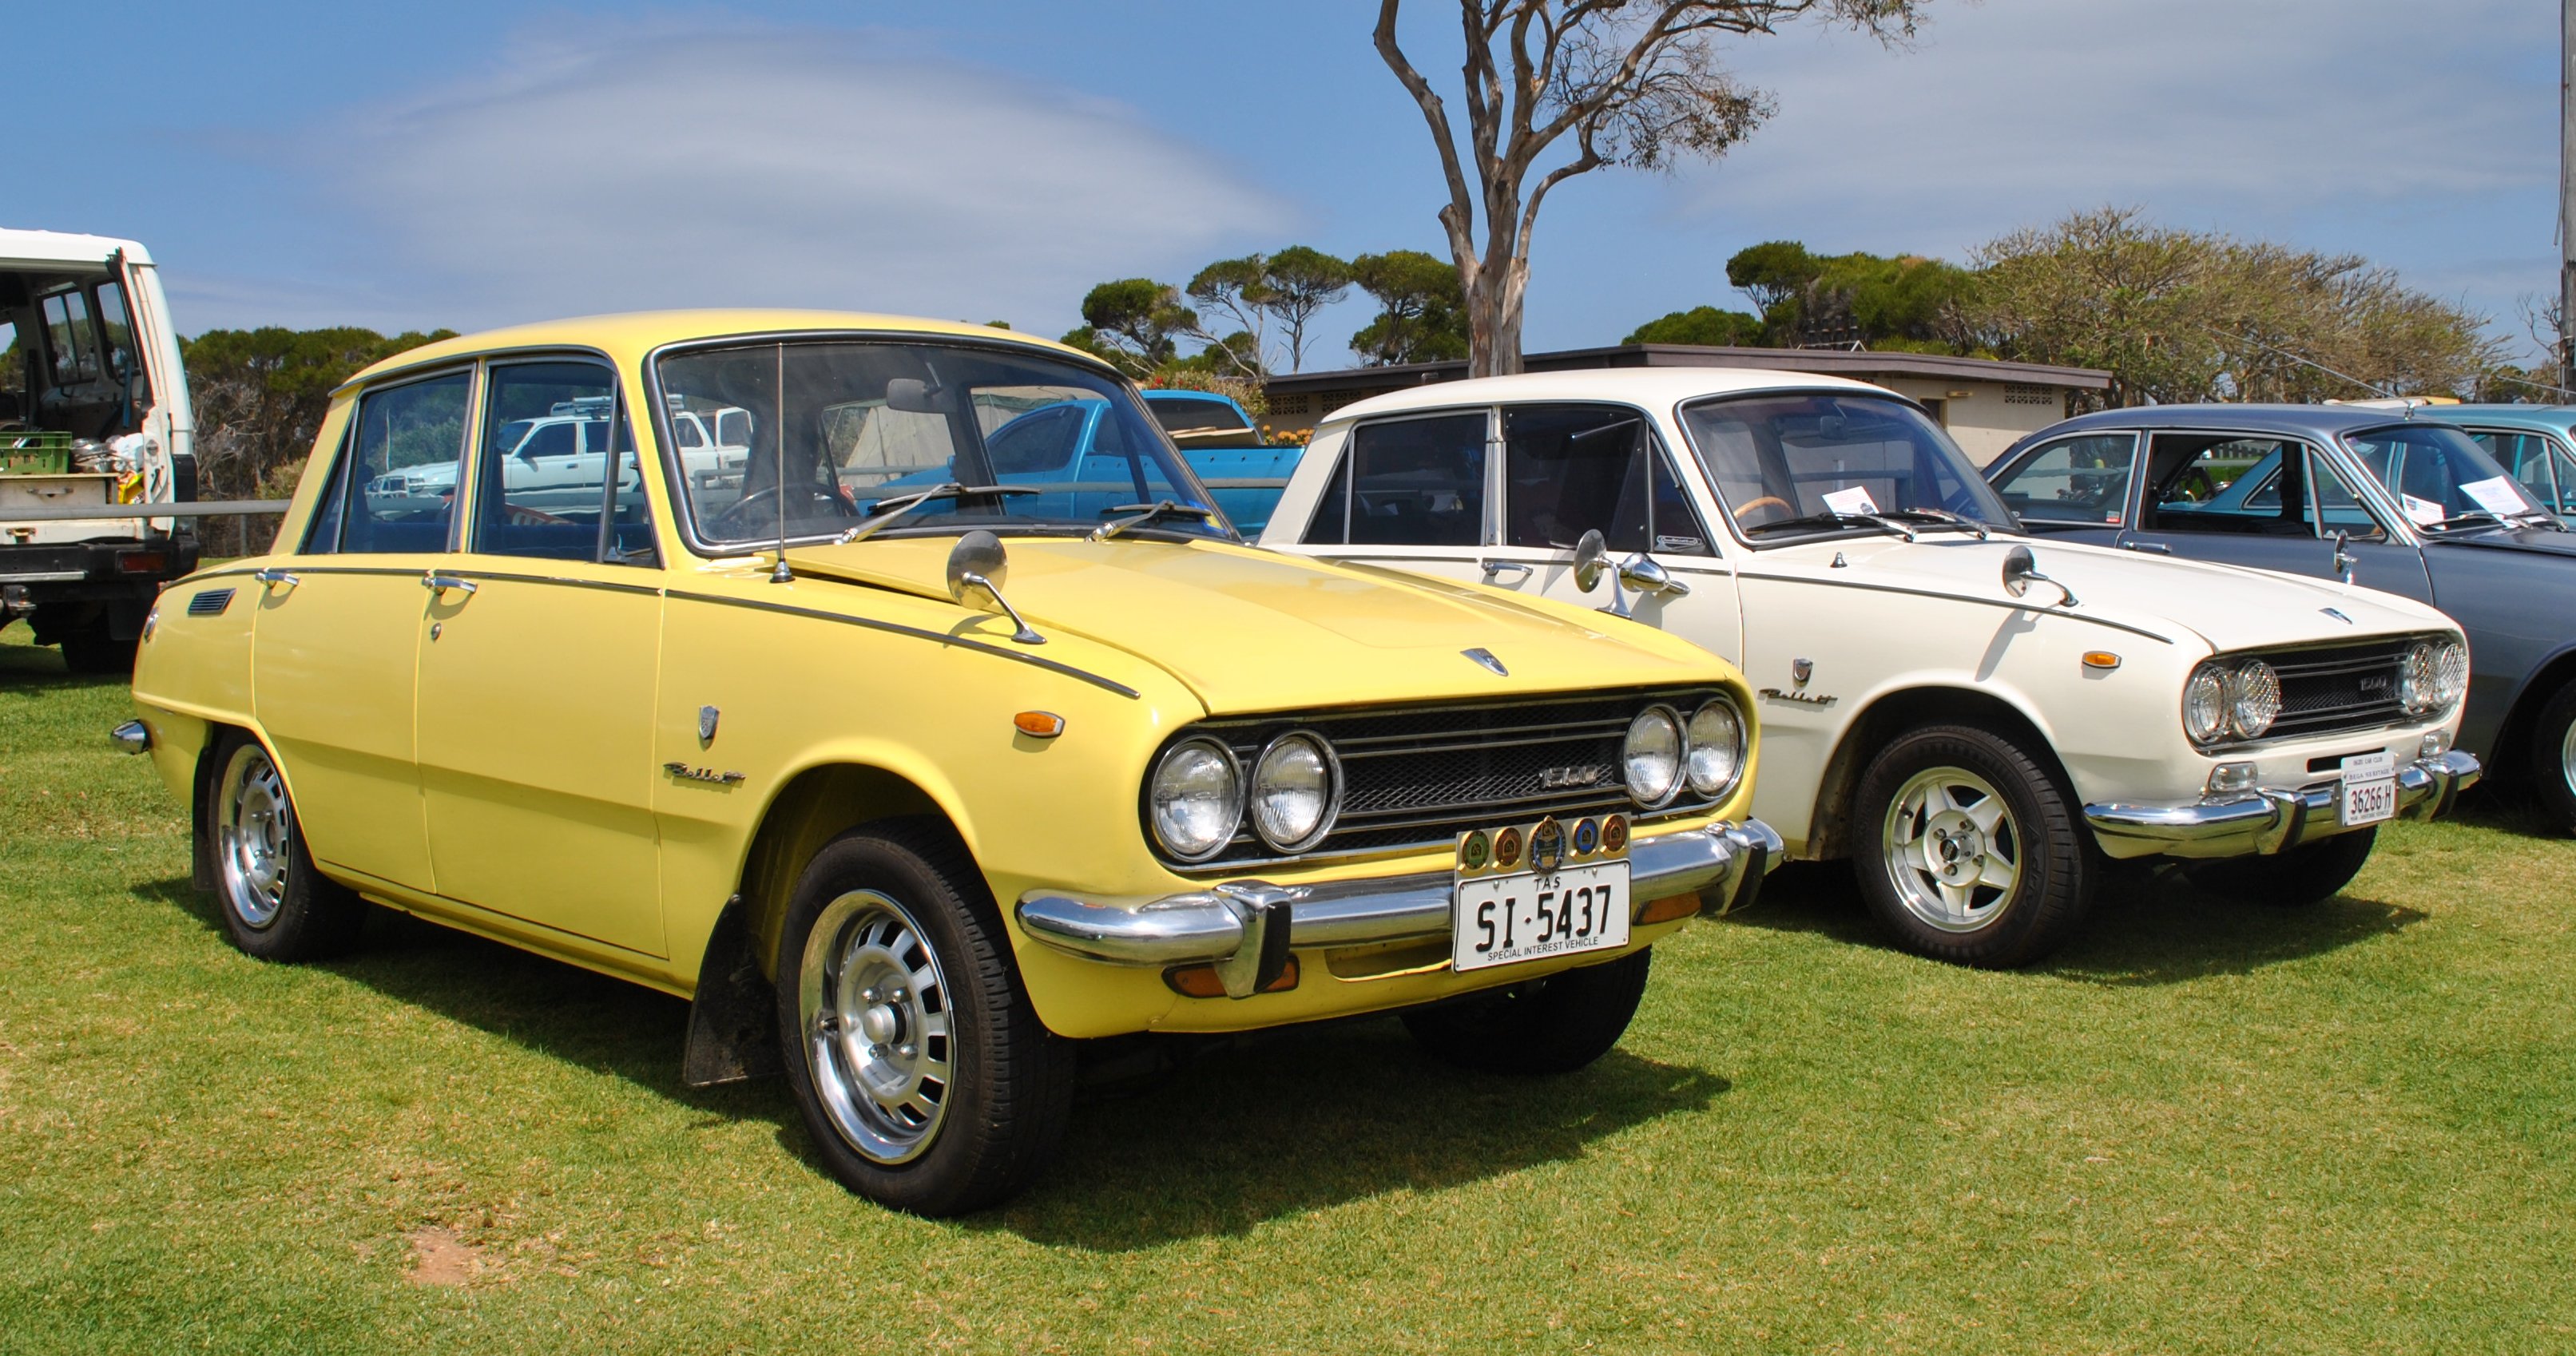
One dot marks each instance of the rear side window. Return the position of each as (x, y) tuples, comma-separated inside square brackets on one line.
[(2082, 481), (1408, 482), (395, 490), (71, 339)]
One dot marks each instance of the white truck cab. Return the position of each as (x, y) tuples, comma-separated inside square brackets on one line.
[(94, 416)]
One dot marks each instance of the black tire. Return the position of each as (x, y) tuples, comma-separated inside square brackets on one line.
[(1540, 1026), (2308, 874), (275, 903), (986, 1088), (2553, 757), (95, 649), (1970, 918)]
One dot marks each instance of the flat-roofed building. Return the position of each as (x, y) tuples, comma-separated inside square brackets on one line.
[(1985, 404)]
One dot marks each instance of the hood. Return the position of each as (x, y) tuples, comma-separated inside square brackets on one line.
[(1252, 630), (2229, 607)]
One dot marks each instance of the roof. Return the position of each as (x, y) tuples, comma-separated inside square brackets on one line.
[(1834, 362), (63, 247), (2284, 420), (2554, 418), (1652, 387), (630, 336)]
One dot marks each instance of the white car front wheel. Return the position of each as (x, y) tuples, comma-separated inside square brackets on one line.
[(1974, 853)]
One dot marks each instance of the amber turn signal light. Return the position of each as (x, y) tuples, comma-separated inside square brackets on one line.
[(2101, 659), (1200, 981), (1668, 908), (1039, 724)]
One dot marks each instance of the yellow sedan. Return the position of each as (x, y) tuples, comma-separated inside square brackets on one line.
[(914, 753)]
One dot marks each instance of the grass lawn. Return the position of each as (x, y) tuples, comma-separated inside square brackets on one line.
[(2203, 1129)]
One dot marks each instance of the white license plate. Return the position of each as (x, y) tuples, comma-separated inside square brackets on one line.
[(1498, 920), (2369, 789)]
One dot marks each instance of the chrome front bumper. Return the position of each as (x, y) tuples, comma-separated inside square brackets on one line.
[(2266, 819), (1246, 928)]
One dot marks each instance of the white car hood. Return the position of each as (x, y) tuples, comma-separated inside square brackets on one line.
[(2229, 607)]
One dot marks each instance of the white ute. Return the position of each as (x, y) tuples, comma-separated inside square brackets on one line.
[(1978, 721)]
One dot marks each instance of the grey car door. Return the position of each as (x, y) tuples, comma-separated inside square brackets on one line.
[(2269, 502)]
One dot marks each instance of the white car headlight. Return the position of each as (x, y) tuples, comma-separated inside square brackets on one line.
[(2450, 675), (1718, 743), (1294, 792), (2205, 703), (1653, 756), (2417, 677), (2254, 699), (1195, 799)]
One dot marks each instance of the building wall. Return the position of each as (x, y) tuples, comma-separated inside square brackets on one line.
[(1984, 417)]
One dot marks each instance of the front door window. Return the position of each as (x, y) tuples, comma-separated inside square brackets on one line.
[(1568, 469)]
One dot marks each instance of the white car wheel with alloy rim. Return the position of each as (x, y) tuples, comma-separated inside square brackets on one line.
[(1969, 847), (1953, 851)]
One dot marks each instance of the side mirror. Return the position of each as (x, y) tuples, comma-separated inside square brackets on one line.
[(977, 566), (1645, 574), (2021, 570), (1591, 550)]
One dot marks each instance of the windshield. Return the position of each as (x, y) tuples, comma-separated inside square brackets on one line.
[(2440, 473), (1787, 463), (845, 424)]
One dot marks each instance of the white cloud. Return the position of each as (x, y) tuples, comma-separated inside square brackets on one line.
[(2207, 112), (692, 168)]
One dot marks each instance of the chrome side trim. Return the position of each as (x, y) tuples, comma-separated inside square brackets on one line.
[(914, 632), (1227, 924), (131, 737), (2267, 820)]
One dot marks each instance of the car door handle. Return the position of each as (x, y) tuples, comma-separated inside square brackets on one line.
[(1494, 568), (441, 583), (2156, 546), (272, 578)]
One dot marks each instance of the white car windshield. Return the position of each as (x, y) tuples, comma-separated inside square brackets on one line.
[(1793, 464), (848, 425)]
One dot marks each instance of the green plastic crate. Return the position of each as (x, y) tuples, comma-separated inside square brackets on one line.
[(35, 454)]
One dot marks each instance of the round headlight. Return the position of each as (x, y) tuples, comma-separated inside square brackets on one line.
[(1717, 747), (2204, 704), (2450, 674), (1195, 799), (2257, 699), (2418, 678), (1293, 792), (1653, 756)]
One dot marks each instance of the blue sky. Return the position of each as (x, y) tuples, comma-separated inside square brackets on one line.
[(472, 163)]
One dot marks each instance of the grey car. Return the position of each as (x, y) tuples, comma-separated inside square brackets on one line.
[(2380, 497)]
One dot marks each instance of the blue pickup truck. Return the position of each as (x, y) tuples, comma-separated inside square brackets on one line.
[(1069, 446)]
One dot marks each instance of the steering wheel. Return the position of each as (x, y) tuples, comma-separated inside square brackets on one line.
[(740, 510), (1766, 501)]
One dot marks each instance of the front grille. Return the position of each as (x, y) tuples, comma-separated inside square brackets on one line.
[(1415, 776), (2337, 689)]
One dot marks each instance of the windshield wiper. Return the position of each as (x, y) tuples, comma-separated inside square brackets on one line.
[(2468, 519), (903, 504), (1140, 514), (1833, 519), (1944, 517)]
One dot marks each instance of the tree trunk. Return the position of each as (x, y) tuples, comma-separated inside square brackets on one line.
[(1494, 317)]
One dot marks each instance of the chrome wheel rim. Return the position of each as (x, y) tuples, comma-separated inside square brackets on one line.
[(874, 1007), (1952, 849), (2567, 758), (254, 837)]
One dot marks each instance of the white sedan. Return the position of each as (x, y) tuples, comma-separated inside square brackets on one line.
[(1980, 722)]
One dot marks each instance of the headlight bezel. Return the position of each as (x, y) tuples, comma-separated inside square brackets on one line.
[(1740, 749), (1154, 818), (2208, 682), (1325, 818), (2258, 684), (1671, 720)]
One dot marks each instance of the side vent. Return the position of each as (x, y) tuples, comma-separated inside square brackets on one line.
[(210, 603)]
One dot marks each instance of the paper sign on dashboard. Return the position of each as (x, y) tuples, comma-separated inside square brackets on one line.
[(1854, 500), (2496, 495), (2423, 510)]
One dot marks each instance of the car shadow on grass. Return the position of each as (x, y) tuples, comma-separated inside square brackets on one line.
[(1288, 1122), (2144, 928), (1233, 1133)]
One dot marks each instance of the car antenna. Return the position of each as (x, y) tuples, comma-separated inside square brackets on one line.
[(782, 574)]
